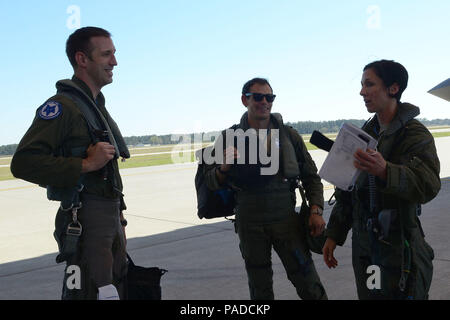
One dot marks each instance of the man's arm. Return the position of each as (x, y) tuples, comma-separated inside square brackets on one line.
[(308, 173), (216, 173), (311, 183), (39, 155)]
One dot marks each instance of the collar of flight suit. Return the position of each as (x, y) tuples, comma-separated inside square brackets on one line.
[(405, 112), (116, 137), (99, 101)]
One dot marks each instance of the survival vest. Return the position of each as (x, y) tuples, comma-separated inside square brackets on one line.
[(221, 202)]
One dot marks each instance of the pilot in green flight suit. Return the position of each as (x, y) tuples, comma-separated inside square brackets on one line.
[(384, 214), (265, 204), (73, 142)]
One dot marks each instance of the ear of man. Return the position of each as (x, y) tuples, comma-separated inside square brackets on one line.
[(244, 100), (81, 59)]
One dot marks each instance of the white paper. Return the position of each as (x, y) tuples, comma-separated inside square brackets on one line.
[(338, 168), (108, 292)]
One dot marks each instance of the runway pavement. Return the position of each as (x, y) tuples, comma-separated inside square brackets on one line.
[(202, 256)]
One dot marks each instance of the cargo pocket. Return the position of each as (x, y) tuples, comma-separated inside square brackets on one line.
[(62, 220), (422, 268)]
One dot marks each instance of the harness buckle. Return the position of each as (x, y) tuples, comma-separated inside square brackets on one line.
[(75, 228), (377, 230), (402, 282)]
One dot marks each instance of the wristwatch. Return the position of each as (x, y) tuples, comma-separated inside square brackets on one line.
[(124, 222), (317, 210)]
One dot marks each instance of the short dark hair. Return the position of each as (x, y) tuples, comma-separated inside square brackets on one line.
[(80, 41), (390, 72), (250, 83)]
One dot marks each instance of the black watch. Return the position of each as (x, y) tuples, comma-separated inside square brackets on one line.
[(317, 211), (124, 222)]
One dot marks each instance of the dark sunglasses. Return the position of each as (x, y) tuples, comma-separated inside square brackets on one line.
[(259, 96)]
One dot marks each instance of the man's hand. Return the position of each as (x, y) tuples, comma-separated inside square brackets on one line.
[(229, 155), (98, 156), (372, 162), (328, 250), (316, 222)]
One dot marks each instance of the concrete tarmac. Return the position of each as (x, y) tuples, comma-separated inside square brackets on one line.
[(163, 230)]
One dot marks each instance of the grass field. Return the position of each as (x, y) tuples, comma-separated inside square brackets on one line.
[(5, 161), (440, 134), (141, 158)]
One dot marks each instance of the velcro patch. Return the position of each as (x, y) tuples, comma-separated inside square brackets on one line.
[(50, 110)]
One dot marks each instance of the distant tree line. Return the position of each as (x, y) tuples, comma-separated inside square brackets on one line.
[(307, 127), (303, 127), (8, 149), (152, 139), (435, 122)]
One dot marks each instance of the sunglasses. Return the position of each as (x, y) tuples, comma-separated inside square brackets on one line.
[(259, 96)]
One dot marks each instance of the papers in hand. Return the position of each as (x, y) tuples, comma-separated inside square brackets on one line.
[(338, 168)]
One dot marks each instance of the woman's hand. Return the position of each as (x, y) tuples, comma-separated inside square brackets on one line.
[(372, 162), (328, 250)]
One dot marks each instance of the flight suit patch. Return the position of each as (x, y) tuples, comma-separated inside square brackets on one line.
[(50, 110)]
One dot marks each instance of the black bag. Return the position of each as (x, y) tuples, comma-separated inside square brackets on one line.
[(315, 244), (211, 204), (143, 283)]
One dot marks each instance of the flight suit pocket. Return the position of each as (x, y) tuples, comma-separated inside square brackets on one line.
[(422, 256)]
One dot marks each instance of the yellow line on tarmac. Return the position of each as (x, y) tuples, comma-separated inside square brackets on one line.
[(18, 188)]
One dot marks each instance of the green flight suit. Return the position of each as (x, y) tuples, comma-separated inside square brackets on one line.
[(403, 255), (51, 151), (50, 154), (266, 217)]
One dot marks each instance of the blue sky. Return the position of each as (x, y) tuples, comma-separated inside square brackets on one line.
[(182, 64)]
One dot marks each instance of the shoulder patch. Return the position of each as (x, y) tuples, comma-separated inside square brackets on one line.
[(50, 110)]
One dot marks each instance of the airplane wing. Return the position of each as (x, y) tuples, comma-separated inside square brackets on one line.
[(442, 90)]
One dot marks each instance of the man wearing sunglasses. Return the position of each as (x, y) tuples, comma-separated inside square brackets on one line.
[(265, 204)]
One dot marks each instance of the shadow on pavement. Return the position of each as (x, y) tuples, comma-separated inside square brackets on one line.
[(204, 263)]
